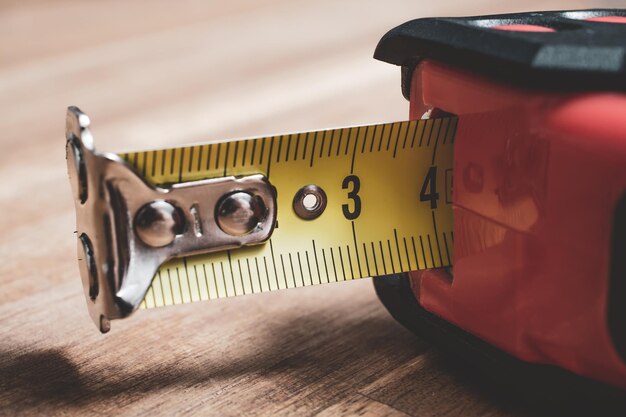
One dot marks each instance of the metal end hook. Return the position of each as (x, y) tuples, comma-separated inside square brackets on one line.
[(127, 227), (77, 128)]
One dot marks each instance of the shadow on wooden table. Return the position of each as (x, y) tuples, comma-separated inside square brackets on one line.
[(43, 380), (50, 379)]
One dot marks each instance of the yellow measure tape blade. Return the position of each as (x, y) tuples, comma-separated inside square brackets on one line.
[(389, 192)]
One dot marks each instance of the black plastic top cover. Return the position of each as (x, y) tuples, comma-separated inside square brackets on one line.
[(577, 54)]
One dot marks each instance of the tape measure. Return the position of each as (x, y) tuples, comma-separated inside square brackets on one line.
[(351, 203), (179, 225)]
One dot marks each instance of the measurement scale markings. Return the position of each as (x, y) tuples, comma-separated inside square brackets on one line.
[(395, 235), (443, 133), (243, 286), (313, 149), (263, 149), (389, 138), (280, 145), (153, 171), (169, 279), (406, 251), (179, 293), (234, 155), (293, 274), (356, 142), (190, 162), (170, 286), (393, 266), (358, 260), (382, 256), (452, 135), (367, 263), (306, 146), (267, 272), (199, 163), (144, 163), (450, 130), (195, 161), (199, 294), (395, 146), (258, 274), (245, 151), (348, 142), (162, 167), (180, 284), (382, 135), (343, 270), (232, 274), (423, 252), (332, 255), (364, 138), (217, 290), (300, 265), (217, 156), (187, 276), (375, 260), (308, 264), (408, 129), (287, 150), (423, 133), (295, 152), (317, 265), (206, 281), (253, 153), (341, 131), (181, 161), (430, 247), (330, 145), (325, 266), (161, 285), (249, 275), (208, 157), (350, 261), (172, 154), (430, 134), (224, 278)]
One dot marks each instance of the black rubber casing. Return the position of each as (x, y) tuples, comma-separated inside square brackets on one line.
[(580, 55)]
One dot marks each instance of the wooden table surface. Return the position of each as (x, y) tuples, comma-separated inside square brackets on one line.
[(155, 73)]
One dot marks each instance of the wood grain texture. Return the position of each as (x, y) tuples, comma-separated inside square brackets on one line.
[(157, 73)]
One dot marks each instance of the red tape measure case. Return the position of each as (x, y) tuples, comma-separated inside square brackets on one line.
[(539, 190)]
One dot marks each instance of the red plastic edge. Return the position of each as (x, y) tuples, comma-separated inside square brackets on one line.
[(537, 177)]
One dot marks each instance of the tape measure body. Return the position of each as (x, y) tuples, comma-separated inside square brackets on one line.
[(388, 194)]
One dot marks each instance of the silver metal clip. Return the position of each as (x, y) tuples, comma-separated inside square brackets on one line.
[(127, 228)]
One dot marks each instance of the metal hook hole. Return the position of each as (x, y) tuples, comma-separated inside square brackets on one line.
[(309, 202), (90, 261)]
